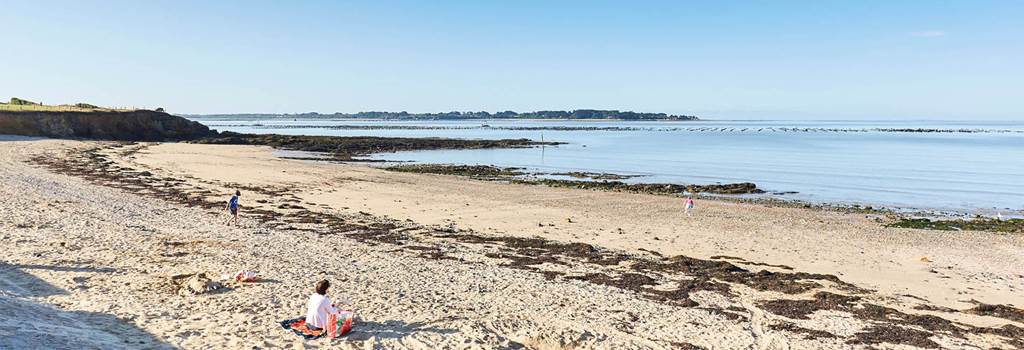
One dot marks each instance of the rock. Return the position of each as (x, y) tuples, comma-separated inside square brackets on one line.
[(924, 259), (139, 125)]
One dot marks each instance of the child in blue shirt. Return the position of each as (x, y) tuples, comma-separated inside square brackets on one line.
[(233, 208)]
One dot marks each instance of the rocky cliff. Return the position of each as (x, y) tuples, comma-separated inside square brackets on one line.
[(140, 125)]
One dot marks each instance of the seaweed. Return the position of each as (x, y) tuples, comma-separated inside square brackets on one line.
[(895, 335), (807, 333), (1002, 311), (978, 224)]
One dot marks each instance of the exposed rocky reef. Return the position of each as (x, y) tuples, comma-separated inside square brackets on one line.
[(490, 172), (735, 188), (594, 176), (979, 224), (474, 171), (345, 148)]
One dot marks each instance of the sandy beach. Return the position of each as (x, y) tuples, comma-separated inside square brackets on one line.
[(100, 236)]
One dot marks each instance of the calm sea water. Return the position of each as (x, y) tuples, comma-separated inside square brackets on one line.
[(840, 162)]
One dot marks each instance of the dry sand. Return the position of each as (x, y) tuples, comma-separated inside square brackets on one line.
[(90, 259)]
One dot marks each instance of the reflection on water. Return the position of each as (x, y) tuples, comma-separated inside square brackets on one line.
[(975, 166)]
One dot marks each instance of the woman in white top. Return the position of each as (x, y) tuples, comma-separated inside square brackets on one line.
[(319, 306)]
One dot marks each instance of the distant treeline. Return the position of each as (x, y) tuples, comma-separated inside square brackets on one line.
[(576, 114)]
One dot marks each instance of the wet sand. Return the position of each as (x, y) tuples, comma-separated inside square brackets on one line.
[(96, 231)]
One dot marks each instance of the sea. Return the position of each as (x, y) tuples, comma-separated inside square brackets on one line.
[(951, 167)]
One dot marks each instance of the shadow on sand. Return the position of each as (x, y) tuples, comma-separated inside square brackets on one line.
[(392, 329), (27, 324), (9, 137), (63, 268)]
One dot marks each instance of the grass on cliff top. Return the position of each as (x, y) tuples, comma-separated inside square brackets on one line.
[(20, 105), (5, 107)]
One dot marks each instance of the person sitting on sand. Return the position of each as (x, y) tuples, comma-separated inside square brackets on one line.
[(233, 208), (320, 307)]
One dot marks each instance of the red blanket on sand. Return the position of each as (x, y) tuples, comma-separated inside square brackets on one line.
[(334, 328), (298, 326)]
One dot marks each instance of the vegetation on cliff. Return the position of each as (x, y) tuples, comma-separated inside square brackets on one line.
[(22, 105), (19, 102)]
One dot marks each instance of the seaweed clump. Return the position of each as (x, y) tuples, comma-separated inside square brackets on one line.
[(1001, 311), (475, 171), (734, 188), (993, 225)]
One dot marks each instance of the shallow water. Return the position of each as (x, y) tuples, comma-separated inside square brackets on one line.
[(972, 167)]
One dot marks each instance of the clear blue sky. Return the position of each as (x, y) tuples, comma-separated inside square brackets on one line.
[(719, 59)]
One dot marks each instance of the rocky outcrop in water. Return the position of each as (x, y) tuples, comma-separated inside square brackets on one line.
[(655, 188), (346, 147), (976, 224), (139, 125), (517, 175)]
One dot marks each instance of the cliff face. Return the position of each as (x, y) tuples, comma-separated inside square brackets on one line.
[(141, 125)]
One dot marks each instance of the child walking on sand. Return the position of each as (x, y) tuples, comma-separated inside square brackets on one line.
[(689, 205), (233, 208)]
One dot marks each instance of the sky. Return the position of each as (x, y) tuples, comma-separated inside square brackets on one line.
[(900, 60)]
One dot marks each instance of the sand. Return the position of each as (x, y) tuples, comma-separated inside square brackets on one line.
[(97, 258)]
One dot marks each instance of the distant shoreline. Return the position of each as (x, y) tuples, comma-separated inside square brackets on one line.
[(215, 116), (578, 114)]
